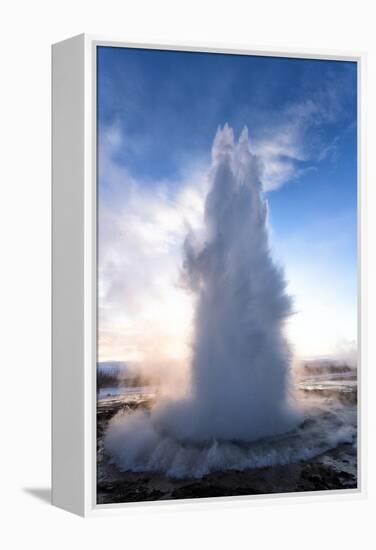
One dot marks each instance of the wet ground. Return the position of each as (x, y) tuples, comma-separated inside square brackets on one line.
[(332, 470)]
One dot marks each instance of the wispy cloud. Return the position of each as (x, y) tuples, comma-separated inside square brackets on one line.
[(142, 310), (292, 145)]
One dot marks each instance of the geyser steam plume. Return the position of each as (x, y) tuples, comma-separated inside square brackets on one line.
[(240, 357), (240, 366)]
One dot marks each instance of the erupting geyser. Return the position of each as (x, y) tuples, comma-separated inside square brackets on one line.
[(240, 379), (240, 367)]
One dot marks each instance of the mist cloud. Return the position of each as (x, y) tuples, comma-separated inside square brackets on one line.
[(240, 366)]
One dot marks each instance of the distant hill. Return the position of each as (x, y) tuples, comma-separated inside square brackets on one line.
[(327, 366), (116, 373)]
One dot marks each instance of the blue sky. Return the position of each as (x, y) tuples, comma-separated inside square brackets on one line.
[(158, 112)]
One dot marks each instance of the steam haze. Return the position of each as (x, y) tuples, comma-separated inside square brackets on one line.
[(239, 388)]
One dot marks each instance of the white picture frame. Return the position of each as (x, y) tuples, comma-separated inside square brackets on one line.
[(74, 275)]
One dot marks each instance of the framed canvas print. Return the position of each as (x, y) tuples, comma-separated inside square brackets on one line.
[(206, 304)]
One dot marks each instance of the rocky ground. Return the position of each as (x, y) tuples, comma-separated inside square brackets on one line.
[(335, 469)]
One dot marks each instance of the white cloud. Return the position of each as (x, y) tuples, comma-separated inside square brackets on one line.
[(143, 310), (283, 146)]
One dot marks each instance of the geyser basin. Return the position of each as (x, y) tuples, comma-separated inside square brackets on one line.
[(137, 445), (240, 370)]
